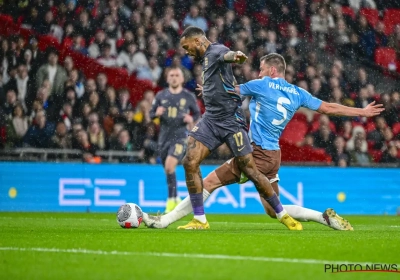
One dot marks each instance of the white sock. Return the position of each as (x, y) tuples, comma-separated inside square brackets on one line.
[(281, 214), (183, 209), (201, 218), (304, 214)]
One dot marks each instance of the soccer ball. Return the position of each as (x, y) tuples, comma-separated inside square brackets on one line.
[(129, 215)]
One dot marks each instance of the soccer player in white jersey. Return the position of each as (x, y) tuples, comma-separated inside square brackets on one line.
[(274, 102)]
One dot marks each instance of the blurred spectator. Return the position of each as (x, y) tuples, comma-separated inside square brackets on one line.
[(75, 81), (394, 40), (358, 156), (124, 143), (17, 127), (85, 146), (308, 141), (95, 105), (366, 35), (111, 98), (123, 102), (40, 132), (357, 133), (84, 27), (20, 84), (133, 59), (78, 44), (317, 90), (356, 5), (293, 39), (98, 44), (363, 98), (61, 139), (361, 81), (342, 36), (390, 155), (113, 138), (111, 119), (324, 137), (347, 128), (96, 135), (338, 152), (54, 73), (376, 136), (68, 64), (106, 58), (11, 102), (155, 69), (321, 24), (102, 84), (193, 19), (381, 38)]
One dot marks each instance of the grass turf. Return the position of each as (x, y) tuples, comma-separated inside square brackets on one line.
[(246, 237)]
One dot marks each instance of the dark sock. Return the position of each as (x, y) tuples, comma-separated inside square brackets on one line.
[(197, 203), (275, 203), (171, 181)]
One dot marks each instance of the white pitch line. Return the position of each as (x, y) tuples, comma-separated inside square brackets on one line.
[(177, 255)]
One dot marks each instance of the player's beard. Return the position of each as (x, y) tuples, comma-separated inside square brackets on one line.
[(198, 57)]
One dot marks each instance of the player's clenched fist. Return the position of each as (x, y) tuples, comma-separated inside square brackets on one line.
[(160, 110), (240, 57)]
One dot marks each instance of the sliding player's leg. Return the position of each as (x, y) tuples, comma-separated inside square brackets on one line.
[(226, 174), (211, 183), (328, 218)]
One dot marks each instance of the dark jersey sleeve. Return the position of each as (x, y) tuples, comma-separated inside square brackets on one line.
[(220, 52), (155, 105), (194, 108)]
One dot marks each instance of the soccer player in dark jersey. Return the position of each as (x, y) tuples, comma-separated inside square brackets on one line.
[(223, 122), (177, 109)]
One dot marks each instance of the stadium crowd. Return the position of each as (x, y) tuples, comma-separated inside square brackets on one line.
[(48, 103)]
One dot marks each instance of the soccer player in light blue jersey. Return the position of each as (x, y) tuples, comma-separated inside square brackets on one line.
[(274, 102)]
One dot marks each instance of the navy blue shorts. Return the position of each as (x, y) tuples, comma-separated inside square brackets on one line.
[(213, 133), (175, 148)]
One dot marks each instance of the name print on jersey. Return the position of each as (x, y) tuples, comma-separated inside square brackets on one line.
[(285, 89)]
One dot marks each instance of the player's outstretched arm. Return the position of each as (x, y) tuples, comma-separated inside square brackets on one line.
[(235, 57), (336, 109)]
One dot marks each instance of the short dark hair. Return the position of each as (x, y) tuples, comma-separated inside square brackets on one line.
[(192, 31), (276, 60)]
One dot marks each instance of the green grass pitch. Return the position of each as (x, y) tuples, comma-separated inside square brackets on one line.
[(93, 246)]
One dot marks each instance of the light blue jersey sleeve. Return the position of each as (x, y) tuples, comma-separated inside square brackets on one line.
[(253, 88), (309, 101)]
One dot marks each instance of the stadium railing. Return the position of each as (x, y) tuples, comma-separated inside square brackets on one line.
[(68, 155)]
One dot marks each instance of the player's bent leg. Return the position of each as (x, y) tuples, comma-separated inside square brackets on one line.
[(169, 167), (195, 154), (268, 209), (211, 182), (247, 165)]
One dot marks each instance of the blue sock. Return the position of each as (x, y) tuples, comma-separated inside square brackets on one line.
[(275, 203), (197, 203), (171, 181)]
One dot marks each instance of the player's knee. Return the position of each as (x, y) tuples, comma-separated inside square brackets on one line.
[(169, 169), (190, 164)]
